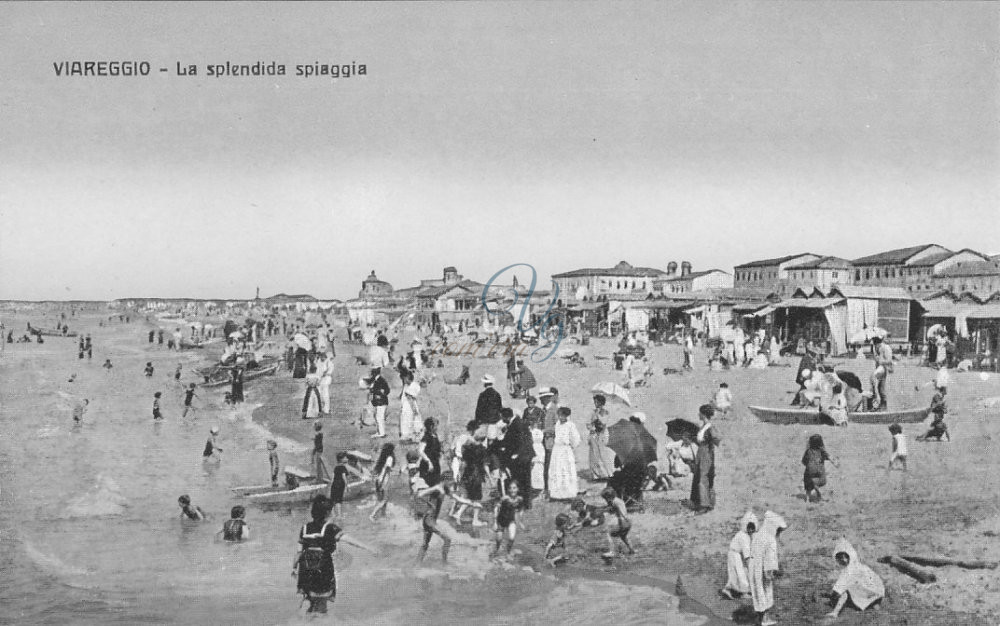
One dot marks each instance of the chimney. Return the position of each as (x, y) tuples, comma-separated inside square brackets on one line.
[(671, 268), (685, 268)]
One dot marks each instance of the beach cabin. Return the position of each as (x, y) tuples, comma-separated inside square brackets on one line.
[(836, 318), (971, 321)]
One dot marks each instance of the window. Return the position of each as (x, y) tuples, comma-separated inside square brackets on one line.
[(867, 274), (834, 274), (878, 273), (857, 274)]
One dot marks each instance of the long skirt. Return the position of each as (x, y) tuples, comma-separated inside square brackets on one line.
[(538, 472), (601, 457), (703, 482), (739, 578), (562, 473)]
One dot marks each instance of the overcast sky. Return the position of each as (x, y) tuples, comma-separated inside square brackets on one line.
[(561, 135)]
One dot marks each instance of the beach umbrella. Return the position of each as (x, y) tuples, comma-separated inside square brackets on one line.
[(866, 334), (678, 428), (612, 390), (302, 341), (632, 442), (850, 379)]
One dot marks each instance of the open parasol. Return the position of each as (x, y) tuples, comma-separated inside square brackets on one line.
[(612, 390), (632, 442), (302, 341), (679, 428)]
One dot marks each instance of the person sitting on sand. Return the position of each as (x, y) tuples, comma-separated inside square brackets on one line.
[(738, 582), (857, 583), (587, 515), (681, 455), (723, 401)]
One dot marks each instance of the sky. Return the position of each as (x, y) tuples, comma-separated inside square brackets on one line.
[(561, 135)]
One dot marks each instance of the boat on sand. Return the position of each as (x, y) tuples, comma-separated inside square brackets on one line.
[(814, 416)]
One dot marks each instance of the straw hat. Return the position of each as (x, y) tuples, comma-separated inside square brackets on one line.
[(639, 415), (488, 380)]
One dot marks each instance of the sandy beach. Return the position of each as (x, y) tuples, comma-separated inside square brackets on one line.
[(943, 506)]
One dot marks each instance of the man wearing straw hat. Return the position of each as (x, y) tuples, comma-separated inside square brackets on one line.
[(488, 408)]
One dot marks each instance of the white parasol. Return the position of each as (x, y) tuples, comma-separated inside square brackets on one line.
[(612, 390)]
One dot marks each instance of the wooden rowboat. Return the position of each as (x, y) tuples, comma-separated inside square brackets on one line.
[(248, 375), (49, 332), (813, 416), (269, 494)]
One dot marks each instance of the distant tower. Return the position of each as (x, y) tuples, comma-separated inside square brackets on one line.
[(685, 268), (671, 268), (258, 293)]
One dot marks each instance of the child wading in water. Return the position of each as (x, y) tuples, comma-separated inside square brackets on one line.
[(236, 529), (814, 476), (383, 470), (898, 447), (428, 507), (188, 510), (505, 519), (212, 452), (338, 486), (558, 540), (738, 583), (616, 506), (189, 396)]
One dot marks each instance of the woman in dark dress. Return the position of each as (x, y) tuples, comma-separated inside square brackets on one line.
[(237, 384), (317, 580), (430, 453), (703, 481)]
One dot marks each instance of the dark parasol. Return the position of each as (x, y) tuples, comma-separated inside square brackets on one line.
[(632, 442)]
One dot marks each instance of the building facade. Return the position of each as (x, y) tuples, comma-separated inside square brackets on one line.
[(593, 283), (770, 274), (693, 282), (916, 269)]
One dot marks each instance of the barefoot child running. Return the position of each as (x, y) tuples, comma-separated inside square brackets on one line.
[(189, 396), (428, 506), (505, 519), (616, 506)]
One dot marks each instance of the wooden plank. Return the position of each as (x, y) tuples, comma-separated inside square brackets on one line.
[(912, 569), (943, 561)]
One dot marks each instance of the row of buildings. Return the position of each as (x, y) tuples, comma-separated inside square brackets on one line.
[(829, 300)]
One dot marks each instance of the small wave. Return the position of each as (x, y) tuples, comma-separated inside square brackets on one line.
[(48, 431), (105, 499), (51, 564), (284, 443)]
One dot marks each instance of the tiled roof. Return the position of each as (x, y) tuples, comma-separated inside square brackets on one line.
[(689, 276), (892, 257), (982, 268), (777, 261), (827, 262), (931, 260), (622, 269), (879, 293)]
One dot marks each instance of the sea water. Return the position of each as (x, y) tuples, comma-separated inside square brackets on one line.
[(90, 531)]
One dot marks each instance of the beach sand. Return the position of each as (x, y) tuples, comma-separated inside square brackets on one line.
[(946, 504), (942, 506)]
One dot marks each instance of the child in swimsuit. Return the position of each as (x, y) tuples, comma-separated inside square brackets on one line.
[(558, 540), (188, 510), (156, 406), (236, 529), (616, 506), (505, 516)]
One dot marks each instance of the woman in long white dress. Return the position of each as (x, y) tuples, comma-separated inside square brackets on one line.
[(562, 466)]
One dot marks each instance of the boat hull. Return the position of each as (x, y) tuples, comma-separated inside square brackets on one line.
[(247, 376), (814, 417)]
